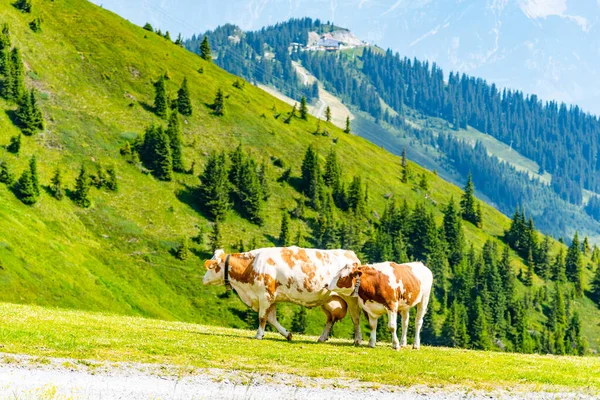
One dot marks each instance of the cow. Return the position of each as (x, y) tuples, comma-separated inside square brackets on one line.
[(389, 288), (264, 277)]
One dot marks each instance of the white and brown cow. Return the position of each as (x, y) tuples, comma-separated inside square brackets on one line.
[(264, 277), (388, 288)]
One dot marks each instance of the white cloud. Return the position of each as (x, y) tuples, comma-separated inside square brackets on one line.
[(545, 8)]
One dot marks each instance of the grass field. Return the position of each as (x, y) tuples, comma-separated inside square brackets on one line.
[(48, 332)]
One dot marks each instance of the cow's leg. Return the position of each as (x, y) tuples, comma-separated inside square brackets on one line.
[(392, 324), (354, 308), (421, 310), (405, 318), (373, 326), (325, 335), (272, 317), (262, 320)]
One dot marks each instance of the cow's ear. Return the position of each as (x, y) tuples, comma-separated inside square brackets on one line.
[(208, 264), (356, 273)]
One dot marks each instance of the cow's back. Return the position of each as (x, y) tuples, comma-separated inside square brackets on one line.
[(302, 274), (415, 279)]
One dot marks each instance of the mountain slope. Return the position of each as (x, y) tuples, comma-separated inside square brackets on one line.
[(94, 72)]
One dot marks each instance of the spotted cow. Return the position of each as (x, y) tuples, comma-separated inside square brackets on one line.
[(264, 277), (388, 288)]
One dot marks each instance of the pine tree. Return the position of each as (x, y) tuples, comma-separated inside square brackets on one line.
[(529, 271), (303, 108), (184, 103), (5, 37), (480, 336), (182, 252), (175, 142), (15, 144), (13, 87), (168, 36), (405, 172), (205, 49), (112, 183), (333, 170), (299, 320), (467, 202), (311, 177), (328, 114), (216, 238), (161, 101), (543, 259), (250, 193), (574, 341), (157, 153), (355, 198), (284, 233), (454, 329), (25, 188), (453, 234), (29, 116), (574, 264), (423, 184), (82, 189), (56, 185), (6, 175), (179, 40), (35, 179), (288, 120), (559, 268), (218, 105), (100, 179), (347, 128), (595, 284), (214, 188), (148, 27), (23, 5), (585, 246)]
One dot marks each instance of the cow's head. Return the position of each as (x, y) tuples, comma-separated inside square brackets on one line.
[(215, 269), (344, 281)]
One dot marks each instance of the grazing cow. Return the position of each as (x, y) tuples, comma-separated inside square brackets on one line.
[(268, 276), (388, 287)]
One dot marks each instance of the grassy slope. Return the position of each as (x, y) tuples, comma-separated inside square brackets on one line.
[(95, 73), (83, 335)]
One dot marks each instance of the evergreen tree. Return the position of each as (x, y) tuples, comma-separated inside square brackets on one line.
[(111, 182), (333, 170), (218, 105), (311, 177), (35, 179), (214, 188), (574, 264), (467, 202), (288, 120), (182, 252), (179, 40), (559, 268), (453, 234), (284, 233), (26, 189), (303, 108), (161, 101), (479, 330), (148, 27), (328, 114), (15, 144), (347, 128), (175, 142), (543, 259), (28, 114), (574, 342), (423, 184), (184, 103), (56, 185), (455, 326), (23, 5), (216, 238), (81, 194), (5, 37), (299, 320), (585, 246), (529, 271), (264, 181), (250, 193), (157, 154), (168, 36), (356, 199), (205, 49), (6, 175), (595, 284), (405, 172)]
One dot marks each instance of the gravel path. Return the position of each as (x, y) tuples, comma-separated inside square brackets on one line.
[(24, 377)]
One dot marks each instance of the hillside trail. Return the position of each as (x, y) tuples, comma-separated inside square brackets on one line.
[(26, 377)]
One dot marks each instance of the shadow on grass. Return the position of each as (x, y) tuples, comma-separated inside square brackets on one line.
[(188, 195), (146, 106)]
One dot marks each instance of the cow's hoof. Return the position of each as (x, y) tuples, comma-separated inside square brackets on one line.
[(289, 336), (416, 347), (357, 343), (321, 340), (395, 347), (372, 345)]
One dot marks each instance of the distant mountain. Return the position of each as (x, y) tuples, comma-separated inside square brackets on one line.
[(547, 47)]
